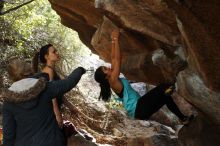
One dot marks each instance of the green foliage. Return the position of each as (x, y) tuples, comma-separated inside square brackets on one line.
[(35, 25), (24, 30), (114, 103)]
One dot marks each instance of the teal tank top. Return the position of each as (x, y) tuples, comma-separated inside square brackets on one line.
[(130, 98)]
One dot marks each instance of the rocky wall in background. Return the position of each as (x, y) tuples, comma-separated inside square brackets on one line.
[(161, 40)]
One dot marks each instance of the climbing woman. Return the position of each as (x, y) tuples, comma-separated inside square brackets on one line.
[(136, 106)]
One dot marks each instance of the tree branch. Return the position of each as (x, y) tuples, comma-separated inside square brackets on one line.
[(15, 8)]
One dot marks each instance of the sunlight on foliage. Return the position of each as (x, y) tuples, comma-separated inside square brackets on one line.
[(36, 24), (31, 26), (24, 30), (114, 103)]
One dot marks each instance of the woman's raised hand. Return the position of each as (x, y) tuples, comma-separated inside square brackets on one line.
[(115, 34)]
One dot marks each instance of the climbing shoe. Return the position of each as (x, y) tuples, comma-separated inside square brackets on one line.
[(170, 90)]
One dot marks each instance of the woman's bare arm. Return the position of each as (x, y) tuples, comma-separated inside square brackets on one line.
[(116, 56), (114, 81)]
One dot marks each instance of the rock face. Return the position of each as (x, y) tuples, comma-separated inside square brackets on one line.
[(160, 38), (147, 133), (202, 133), (113, 126)]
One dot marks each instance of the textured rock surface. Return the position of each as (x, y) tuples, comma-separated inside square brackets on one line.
[(198, 133), (149, 25), (113, 126), (145, 133), (186, 32)]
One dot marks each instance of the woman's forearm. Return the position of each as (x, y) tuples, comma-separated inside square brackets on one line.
[(117, 50), (116, 54), (113, 50)]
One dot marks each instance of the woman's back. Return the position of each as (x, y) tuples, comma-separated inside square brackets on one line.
[(28, 118), (35, 122), (130, 97)]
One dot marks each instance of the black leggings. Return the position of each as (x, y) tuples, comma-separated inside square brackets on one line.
[(153, 100)]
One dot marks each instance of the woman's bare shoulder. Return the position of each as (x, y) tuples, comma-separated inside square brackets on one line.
[(116, 85)]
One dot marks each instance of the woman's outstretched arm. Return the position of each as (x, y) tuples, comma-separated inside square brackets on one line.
[(115, 55), (114, 81), (59, 87)]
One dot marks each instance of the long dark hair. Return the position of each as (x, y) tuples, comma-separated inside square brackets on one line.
[(43, 51), (100, 77), (40, 55)]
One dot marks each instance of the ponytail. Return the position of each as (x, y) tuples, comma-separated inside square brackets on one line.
[(105, 93), (35, 62), (100, 77)]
